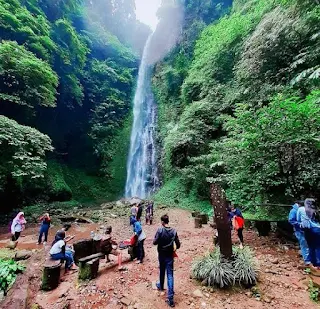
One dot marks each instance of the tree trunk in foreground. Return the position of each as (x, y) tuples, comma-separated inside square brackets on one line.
[(219, 204)]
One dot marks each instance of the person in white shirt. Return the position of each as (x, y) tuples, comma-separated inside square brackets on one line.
[(58, 250), (17, 226)]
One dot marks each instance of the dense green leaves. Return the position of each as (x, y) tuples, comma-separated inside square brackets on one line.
[(26, 79), (8, 273), (253, 122), (22, 150)]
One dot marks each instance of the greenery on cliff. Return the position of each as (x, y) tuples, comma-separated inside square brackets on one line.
[(239, 103), (67, 71)]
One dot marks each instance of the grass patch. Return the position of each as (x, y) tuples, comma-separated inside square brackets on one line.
[(174, 194)]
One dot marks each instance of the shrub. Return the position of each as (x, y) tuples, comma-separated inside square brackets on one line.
[(212, 270), (8, 273)]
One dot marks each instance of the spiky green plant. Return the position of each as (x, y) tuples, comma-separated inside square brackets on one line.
[(215, 271), (245, 267)]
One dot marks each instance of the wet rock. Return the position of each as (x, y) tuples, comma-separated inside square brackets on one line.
[(197, 293)]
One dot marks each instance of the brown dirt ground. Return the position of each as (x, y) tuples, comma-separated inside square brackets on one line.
[(281, 284)]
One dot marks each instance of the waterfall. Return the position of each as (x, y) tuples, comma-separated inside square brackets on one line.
[(142, 172)]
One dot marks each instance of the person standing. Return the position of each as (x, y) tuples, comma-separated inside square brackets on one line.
[(141, 236), (298, 231), (44, 229), (237, 222), (149, 213), (305, 215), (139, 212), (17, 226), (166, 239)]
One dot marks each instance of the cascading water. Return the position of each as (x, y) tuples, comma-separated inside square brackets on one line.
[(142, 171)]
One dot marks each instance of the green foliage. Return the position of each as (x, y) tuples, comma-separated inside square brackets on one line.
[(173, 193), (22, 150), (215, 271), (274, 149), (74, 57), (258, 64), (58, 189), (314, 292), (8, 273), (27, 80)]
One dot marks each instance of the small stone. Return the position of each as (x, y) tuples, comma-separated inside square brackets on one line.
[(125, 301), (197, 293), (275, 261)]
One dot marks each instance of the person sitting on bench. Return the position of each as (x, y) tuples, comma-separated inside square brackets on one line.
[(109, 246), (58, 250)]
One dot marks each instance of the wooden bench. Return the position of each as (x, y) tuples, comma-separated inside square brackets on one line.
[(51, 274), (89, 266)]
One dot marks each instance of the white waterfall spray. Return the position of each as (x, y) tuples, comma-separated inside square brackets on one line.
[(142, 172)]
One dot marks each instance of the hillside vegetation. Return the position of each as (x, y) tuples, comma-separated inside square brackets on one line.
[(67, 70), (239, 103)]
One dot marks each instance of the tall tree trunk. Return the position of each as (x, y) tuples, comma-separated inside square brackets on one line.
[(219, 204)]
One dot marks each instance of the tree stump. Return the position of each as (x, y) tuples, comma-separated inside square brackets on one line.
[(51, 275), (219, 204), (82, 248), (89, 270), (197, 223), (195, 214), (263, 227), (204, 218)]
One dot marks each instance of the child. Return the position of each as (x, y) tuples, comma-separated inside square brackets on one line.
[(109, 246), (44, 229), (17, 226), (58, 250)]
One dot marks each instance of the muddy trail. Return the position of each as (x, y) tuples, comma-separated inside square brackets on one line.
[(281, 283)]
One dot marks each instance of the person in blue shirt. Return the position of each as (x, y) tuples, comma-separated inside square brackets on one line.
[(141, 236), (306, 218), (298, 231)]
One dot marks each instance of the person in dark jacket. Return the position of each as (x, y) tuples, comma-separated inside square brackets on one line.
[(166, 239), (149, 213), (139, 211)]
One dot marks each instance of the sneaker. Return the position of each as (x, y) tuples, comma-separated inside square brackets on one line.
[(241, 246), (138, 262), (159, 287), (170, 303), (44, 243)]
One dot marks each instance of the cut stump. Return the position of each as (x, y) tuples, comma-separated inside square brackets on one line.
[(197, 223), (195, 214), (263, 227), (204, 218), (51, 275), (89, 270)]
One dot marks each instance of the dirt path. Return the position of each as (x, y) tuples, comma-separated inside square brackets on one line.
[(282, 284)]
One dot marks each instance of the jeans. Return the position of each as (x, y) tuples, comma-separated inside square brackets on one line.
[(312, 239), (166, 264), (303, 246), (44, 229), (140, 251), (67, 256)]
